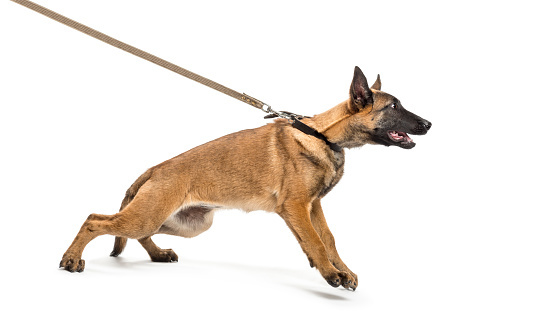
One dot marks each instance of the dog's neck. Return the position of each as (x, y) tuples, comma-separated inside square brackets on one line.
[(326, 120), (333, 123)]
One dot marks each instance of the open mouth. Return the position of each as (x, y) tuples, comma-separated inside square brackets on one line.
[(402, 138)]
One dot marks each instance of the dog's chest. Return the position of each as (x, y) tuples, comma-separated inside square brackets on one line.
[(335, 175), (326, 174)]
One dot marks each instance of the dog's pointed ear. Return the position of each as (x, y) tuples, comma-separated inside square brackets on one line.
[(361, 95), (377, 84)]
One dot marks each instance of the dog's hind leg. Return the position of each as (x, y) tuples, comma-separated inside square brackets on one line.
[(157, 254), (118, 246), (140, 219), (320, 225), (91, 228), (120, 242)]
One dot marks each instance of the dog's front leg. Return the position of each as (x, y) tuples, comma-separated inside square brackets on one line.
[(297, 217), (320, 225)]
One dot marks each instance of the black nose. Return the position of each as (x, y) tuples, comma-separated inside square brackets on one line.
[(426, 124)]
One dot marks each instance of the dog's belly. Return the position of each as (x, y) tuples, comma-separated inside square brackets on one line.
[(189, 221)]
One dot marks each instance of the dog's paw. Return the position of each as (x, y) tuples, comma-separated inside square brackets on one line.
[(165, 255), (342, 278), (353, 278), (351, 282), (72, 264)]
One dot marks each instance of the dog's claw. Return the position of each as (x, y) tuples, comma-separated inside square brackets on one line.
[(334, 283), (72, 265), (342, 279), (166, 255), (335, 280), (350, 285)]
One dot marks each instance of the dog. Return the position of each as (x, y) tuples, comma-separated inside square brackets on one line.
[(278, 167)]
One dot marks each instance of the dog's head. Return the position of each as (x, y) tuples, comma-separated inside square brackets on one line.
[(379, 118)]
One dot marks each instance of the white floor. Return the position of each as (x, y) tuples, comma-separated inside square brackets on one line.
[(251, 265)]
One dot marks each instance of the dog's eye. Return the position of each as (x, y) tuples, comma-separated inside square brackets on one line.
[(393, 106)]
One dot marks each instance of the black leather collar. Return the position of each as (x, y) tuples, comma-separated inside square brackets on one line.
[(310, 131)]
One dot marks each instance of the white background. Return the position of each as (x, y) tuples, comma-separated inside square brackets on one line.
[(450, 228)]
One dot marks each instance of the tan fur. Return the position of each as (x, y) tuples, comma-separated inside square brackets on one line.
[(274, 168)]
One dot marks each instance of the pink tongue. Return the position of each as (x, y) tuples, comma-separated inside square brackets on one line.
[(396, 136), (400, 136)]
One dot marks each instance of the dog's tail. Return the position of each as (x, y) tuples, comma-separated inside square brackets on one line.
[(120, 242)]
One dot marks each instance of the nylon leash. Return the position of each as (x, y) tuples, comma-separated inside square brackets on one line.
[(293, 118), (142, 54)]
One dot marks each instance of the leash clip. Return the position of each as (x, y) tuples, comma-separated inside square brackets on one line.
[(266, 108), (280, 114), (291, 117)]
